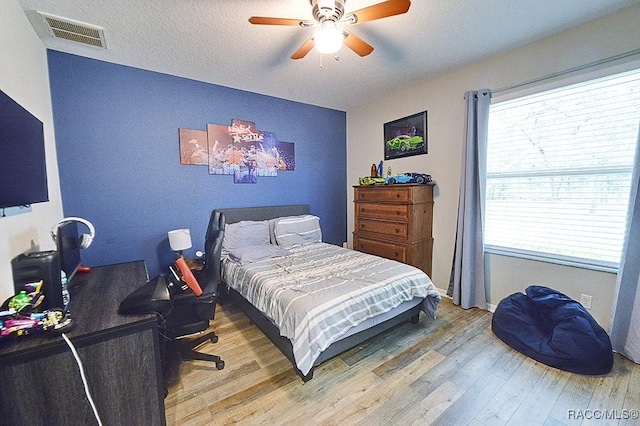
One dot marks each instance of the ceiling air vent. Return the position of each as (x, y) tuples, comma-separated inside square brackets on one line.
[(67, 29)]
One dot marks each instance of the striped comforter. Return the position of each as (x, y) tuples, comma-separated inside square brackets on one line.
[(320, 291)]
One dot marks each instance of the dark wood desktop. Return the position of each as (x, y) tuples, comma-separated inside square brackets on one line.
[(41, 382)]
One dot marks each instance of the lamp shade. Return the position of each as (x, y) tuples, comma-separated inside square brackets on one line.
[(179, 239)]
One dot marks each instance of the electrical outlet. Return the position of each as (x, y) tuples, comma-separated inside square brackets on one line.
[(585, 300)]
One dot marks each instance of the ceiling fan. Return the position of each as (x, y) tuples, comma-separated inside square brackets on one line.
[(328, 15)]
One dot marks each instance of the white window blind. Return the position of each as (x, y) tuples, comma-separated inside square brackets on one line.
[(558, 171)]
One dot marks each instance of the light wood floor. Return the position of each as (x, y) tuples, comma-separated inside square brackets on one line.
[(451, 370)]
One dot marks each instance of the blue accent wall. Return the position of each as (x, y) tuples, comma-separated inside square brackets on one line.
[(116, 132)]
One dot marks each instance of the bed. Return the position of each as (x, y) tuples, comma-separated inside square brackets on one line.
[(311, 299)]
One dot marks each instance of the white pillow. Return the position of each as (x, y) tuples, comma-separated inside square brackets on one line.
[(272, 227), (252, 254), (245, 234), (295, 230)]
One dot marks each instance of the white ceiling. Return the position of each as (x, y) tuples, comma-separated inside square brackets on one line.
[(212, 41)]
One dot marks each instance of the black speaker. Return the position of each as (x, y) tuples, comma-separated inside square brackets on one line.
[(36, 266)]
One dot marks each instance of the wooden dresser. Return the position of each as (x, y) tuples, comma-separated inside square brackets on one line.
[(395, 221)]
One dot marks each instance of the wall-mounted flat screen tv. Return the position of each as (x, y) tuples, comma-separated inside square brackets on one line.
[(23, 170)]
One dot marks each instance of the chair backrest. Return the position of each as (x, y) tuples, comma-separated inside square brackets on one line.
[(213, 246)]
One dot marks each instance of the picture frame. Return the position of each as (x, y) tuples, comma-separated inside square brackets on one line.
[(406, 136), (193, 147)]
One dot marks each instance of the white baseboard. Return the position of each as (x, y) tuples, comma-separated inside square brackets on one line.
[(489, 307)]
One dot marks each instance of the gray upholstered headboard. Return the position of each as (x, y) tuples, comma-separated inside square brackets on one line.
[(263, 213)]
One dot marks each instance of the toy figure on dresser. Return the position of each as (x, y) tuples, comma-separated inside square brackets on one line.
[(420, 177), (368, 180), (393, 179), (377, 171), (410, 177), (375, 177)]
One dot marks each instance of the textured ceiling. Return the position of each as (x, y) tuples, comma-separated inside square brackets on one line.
[(212, 41)]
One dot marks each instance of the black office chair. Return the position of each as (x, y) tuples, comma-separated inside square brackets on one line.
[(191, 314)]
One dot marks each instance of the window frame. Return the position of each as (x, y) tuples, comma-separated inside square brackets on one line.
[(557, 82)]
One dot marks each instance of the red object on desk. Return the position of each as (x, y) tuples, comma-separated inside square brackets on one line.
[(188, 277)]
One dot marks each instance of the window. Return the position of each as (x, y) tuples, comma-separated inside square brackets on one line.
[(559, 169)]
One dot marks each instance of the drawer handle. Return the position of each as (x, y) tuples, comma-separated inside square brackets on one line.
[(396, 253), (362, 226), (397, 212), (397, 195), (397, 231)]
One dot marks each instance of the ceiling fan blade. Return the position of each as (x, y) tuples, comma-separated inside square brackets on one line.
[(263, 20), (381, 10), (357, 44), (303, 50)]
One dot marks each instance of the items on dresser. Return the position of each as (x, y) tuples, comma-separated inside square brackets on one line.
[(395, 222)]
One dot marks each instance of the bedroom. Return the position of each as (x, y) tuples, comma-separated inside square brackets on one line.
[(96, 187)]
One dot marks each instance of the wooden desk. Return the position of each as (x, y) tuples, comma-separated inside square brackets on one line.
[(40, 380)]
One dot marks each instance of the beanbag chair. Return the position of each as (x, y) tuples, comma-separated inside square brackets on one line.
[(553, 329)]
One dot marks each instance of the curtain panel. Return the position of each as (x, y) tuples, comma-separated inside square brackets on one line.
[(624, 327), (467, 284)]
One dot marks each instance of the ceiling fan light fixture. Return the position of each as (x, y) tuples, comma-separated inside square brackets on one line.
[(327, 15), (328, 39), (325, 7)]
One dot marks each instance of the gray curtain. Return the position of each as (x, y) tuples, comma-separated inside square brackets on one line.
[(466, 285), (624, 327)]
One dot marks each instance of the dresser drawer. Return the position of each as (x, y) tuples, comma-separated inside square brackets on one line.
[(384, 194), (394, 222), (394, 229), (395, 212), (382, 249)]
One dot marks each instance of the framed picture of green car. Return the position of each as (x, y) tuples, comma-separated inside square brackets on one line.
[(406, 136)]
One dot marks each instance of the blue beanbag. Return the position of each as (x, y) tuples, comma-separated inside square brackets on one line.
[(553, 329)]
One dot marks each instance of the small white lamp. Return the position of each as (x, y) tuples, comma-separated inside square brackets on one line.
[(179, 240)]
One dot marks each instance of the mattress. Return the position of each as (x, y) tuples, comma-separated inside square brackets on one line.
[(319, 293)]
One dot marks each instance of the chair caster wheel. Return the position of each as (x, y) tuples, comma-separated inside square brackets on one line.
[(220, 365), (214, 339)]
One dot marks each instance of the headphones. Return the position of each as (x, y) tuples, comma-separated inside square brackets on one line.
[(84, 240)]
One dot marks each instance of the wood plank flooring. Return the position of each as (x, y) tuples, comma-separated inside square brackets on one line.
[(447, 371)]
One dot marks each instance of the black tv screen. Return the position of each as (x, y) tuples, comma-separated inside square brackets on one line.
[(23, 170)]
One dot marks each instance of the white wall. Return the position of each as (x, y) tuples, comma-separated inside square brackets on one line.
[(442, 97), (24, 77)]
